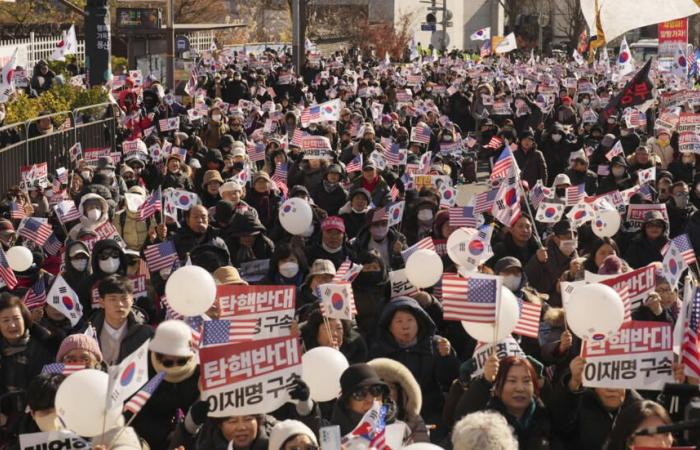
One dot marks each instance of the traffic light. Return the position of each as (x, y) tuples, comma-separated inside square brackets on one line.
[(430, 18)]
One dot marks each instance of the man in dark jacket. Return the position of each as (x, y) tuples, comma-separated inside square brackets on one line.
[(119, 332), (196, 232), (579, 174), (530, 160), (377, 235), (679, 208), (546, 267), (329, 195), (333, 244), (646, 246)]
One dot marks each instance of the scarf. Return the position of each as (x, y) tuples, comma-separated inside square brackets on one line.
[(9, 349), (370, 185), (175, 374)]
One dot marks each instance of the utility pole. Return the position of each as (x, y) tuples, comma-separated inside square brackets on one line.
[(298, 33)]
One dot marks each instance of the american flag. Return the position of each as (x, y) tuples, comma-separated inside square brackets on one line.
[(310, 114), (36, 295), (693, 62), (16, 211), (539, 193), (6, 273), (614, 151), (684, 246), (484, 201), (62, 368), (472, 299), (355, 165), (394, 193), (392, 154), (495, 143), (56, 186), (347, 271), (280, 176), (217, 332), (139, 399), (690, 348), (196, 323), (53, 245), (160, 256), (421, 133), (529, 322), (575, 194), (66, 211), (256, 151), (462, 217), (502, 165), (169, 124), (170, 313), (624, 292), (35, 230), (485, 49), (297, 137), (151, 205), (424, 244)]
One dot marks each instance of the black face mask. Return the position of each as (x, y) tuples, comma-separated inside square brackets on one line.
[(238, 166), (369, 278), (560, 192), (131, 183), (367, 145)]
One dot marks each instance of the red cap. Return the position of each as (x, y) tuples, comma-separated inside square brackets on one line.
[(333, 223), (566, 100)]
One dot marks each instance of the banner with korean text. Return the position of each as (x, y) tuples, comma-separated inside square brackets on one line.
[(253, 377), (272, 306), (639, 356), (641, 283)]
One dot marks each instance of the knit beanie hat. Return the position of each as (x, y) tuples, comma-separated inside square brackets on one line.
[(79, 341), (287, 429)]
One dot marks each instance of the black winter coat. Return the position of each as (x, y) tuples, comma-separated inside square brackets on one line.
[(332, 201)]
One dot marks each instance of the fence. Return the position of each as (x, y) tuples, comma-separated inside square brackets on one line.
[(34, 48), (42, 139)]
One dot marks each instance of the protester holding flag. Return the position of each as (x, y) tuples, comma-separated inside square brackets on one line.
[(646, 246), (530, 160), (128, 224), (407, 334), (354, 212), (318, 331), (517, 241), (329, 195), (177, 174), (418, 218), (333, 244), (373, 183), (263, 198), (94, 212), (377, 235)]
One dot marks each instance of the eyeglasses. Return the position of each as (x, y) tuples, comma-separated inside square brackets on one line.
[(374, 391), (172, 362)]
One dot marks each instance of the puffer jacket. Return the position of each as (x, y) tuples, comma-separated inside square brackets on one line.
[(132, 230), (86, 225)]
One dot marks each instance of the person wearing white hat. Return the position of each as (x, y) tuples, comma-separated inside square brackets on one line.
[(579, 173), (170, 351), (291, 435)]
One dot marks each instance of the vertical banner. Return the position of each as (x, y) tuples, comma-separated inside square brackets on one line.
[(98, 43), (673, 43)]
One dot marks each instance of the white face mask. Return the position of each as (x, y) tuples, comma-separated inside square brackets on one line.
[(109, 265), (94, 214), (586, 101), (86, 174), (79, 264), (425, 215), (216, 117), (512, 282), (567, 246), (48, 422), (556, 137), (289, 269), (165, 273)]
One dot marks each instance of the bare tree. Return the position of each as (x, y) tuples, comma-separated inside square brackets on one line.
[(572, 22)]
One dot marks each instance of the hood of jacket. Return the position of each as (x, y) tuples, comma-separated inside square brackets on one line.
[(104, 206), (95, 261), (394, 372), (426, 327)]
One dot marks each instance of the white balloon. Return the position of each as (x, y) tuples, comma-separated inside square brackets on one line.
[(422, 446), (459, 236), (80, 403), (295, 215), (190, 290), (424, 268), (508, 316), (19, 258), (594, 311), (606, 223), (321, 370)]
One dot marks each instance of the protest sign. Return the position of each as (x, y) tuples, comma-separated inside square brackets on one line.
[(62, 439), (400, 286), (689, 122), (272, 306), (252, 377), (506, 347), (641, 283), (688, 143), (34, 175), (638, 356), (636, 213), (91, 155)]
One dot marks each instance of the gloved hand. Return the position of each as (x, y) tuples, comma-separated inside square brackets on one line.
[(301, 391), (196, 416)]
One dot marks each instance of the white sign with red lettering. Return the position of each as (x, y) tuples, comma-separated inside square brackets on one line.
[(639, 356), (272, 306)]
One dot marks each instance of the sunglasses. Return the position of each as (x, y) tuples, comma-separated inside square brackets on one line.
[(109, 254), (374, 391), (173, 362)]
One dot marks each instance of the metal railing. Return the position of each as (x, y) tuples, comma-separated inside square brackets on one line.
[(48, 138)]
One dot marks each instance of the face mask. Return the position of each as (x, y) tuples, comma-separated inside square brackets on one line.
[(329, 186), (48, 422), (379, 233), (109, 265), (560, 192), (447, 138), (358, 211), (618, 171), (289, 269), (624, 132), (681, 200), (611, 121), (556, 137), (663, 141), (94, 214), (369, 278), (165, 273), (512, 282), (586, 101), (425, 215), (567, 246), (86, 174), (216, 117), (79, 264)]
